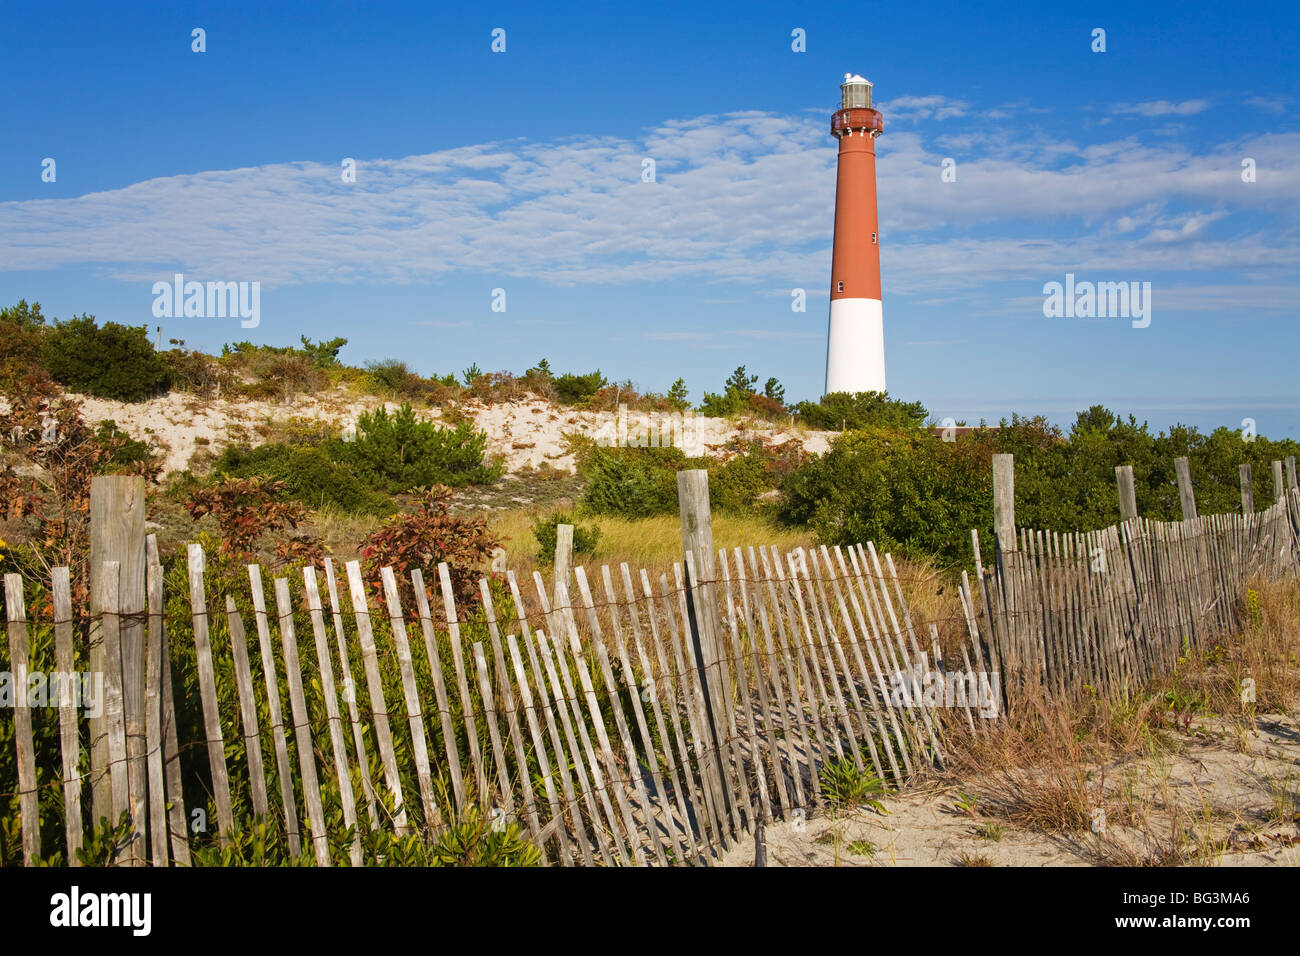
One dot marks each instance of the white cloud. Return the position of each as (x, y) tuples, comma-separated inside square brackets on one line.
[(741, 197), (903, 109), (1163, 108), (1269, 104)]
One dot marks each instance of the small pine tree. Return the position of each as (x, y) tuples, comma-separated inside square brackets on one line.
[(774, 390), (324, 354), (677, 395), (741, 382)]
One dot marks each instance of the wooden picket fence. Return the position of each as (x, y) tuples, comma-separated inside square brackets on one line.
[(642, 722), (621, 718), (1105, 611)]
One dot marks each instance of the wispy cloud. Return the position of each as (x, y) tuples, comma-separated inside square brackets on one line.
[(780, 335), (678, 336), (1163, 108), (1269, 104), (905, 109), (745, 197)]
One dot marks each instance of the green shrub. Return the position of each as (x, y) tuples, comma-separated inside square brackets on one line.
[(739, 397), (400, 452), (193, 371), (392, 375), (109, 361), (309, 476), (736, 484), (632, 482), (124, 452), (294, 373), (572, 389), (850, 410), (640, 482), (585, 537), (21, 329), (724, 405), (908, 491)]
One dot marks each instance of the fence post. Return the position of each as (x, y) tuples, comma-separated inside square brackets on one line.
[(1279, 489), (1004, 535), (1247, 490), (117, 534), (1127, 492), (1004, 501), (1291, 482), (563, 559), (697, 538), (1186, 497)]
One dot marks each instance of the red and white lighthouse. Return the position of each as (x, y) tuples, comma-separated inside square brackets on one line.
[(855, 345)]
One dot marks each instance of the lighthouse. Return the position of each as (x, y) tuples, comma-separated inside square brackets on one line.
[(855, 343)]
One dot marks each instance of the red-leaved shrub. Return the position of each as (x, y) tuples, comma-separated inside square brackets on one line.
[(423, 539)]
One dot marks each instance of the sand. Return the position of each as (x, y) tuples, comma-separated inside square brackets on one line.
[(527, 434), (1228, 788)]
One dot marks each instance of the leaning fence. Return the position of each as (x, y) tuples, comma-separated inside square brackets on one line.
[(1109, 610), (617, 717)]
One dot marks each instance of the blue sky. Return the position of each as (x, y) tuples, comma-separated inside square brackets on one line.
[(522, 171)]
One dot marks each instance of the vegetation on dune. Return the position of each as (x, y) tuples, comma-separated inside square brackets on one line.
[(739, 396), (854, 410), (641, 482), (425, 538), (912, 492), (309, 475), (887, 478), (585, 536), (398, 452), (107, 361)]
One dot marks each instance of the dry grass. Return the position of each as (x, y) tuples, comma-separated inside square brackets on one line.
[(1062, 768), (653, 543)]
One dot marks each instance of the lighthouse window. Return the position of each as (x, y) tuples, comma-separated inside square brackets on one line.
[(873, 238), (841, 286)]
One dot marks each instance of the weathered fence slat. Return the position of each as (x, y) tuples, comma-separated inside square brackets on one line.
[(414, 715), (114, 718), (350, 691), (158, 836), (439, 688), (561, 760), (462, 683), (247, 709), (215, 743), (502, 670), (28, 802), (301, 725), (69, 734), (278, 738), (378, 705), (539, 749), (342, 770)]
